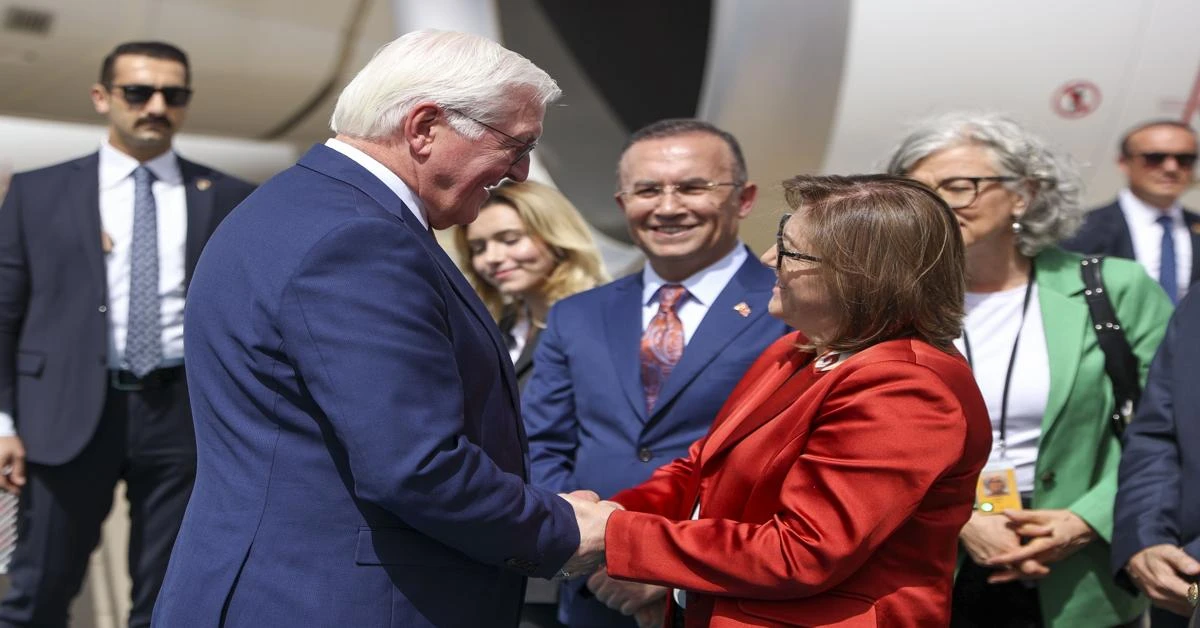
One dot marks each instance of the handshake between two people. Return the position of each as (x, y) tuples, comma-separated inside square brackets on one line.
[(644, 602)]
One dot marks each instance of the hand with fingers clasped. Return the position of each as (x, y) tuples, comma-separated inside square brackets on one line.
[(1164, 573), (591, 515), (625, 597), (12, 464), (1049, 535), (986, 536)]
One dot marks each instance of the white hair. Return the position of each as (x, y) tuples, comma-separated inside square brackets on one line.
[(467, 73), (1054, 209)]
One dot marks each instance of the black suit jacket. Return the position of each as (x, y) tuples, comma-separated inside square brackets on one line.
[(524, 364), (1105, 232), (54, 295)]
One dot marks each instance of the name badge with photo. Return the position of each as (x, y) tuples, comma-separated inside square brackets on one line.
[(997, 488)]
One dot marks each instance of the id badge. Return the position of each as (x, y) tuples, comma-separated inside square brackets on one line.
[(997, 488)]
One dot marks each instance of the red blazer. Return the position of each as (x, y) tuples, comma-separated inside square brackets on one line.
[(827, 498)]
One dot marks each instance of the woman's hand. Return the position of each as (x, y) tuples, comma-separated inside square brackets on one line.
[(986, 536), (1051, 536)]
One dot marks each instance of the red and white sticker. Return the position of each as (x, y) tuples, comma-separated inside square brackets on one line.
[(1076, 99)]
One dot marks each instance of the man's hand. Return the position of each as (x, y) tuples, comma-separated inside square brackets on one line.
[(1163, 573), (591, 515), (652, 615), (1052, 536), (625, 597), (12, 464)]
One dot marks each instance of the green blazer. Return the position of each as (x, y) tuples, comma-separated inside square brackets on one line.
[(1078, 455)]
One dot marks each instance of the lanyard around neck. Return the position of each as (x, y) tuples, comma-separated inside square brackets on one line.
[(1012, 360)]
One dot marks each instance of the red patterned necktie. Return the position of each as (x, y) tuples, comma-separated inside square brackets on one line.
[(662, 343)]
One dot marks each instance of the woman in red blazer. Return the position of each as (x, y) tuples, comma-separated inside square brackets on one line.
[(831, 488)]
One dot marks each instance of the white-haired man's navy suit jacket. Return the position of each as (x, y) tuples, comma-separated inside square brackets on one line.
[(585, 407), (361, 460)]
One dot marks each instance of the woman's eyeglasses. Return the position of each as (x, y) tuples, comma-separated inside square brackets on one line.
[(782, 251)]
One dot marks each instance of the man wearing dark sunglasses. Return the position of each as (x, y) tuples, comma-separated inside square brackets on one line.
[(95, 258), (1146, 221)]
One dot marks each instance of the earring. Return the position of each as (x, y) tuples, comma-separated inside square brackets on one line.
[(1017, 228)]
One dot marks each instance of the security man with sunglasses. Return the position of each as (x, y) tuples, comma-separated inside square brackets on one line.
[(95, 258), (1146, 222)]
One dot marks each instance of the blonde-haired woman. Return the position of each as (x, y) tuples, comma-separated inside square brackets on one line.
[(528, 248)]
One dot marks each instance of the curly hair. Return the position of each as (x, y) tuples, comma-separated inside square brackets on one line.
[(1049, 180)]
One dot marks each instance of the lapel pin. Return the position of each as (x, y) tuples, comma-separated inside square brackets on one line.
[(742, 308), (203, 184)]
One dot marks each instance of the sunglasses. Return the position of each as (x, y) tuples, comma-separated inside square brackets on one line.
[(1155, 160), (141, 94)]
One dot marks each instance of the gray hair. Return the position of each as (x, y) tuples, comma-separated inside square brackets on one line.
[(470, 74), (1054, 209)]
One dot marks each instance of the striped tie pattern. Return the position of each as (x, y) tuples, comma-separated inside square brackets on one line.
[(662, 343)]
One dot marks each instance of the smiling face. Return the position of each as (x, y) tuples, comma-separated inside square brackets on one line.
[(142, 131), (989, 219), (1159, 185), (801, 298), (505, 255), (679, 233), (458, 170)]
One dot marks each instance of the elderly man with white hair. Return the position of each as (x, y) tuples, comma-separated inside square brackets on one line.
[(361, 459)]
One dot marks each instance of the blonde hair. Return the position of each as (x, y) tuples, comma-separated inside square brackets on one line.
[(550, 218)]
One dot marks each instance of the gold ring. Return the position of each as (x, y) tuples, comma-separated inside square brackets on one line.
[(1193, 595)]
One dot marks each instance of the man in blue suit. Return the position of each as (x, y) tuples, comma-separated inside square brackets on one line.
[(1156, 519), (360, 456), (95, 259), (1146, 222), (627, 375)]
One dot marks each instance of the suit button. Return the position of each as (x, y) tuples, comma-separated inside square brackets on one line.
[(644, 454), (1048, 477), (103, 309)]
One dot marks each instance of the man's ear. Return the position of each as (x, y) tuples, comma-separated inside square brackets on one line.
[(420, 128), (100, 99), (746, 199)]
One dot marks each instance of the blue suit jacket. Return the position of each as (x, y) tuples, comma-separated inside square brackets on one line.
[(585, 407), (361, 461), (54, 295), (1105, 232), (1158, 496)]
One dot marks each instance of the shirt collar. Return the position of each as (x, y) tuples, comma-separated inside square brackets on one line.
[(704, 286), (116, 166), (381, 172), (1136, 209)]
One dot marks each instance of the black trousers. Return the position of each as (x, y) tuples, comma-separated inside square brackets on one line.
[(144, 438)]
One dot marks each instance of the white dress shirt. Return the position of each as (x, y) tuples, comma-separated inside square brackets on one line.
[(991, 324), (703, 288), (381, 172), (1146, 234), (116, 221)]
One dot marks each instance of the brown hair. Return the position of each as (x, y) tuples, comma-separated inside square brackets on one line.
[(549, 217), (891, 256)]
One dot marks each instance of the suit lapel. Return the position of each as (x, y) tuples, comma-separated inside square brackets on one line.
[(1193, 224), (623, 316), (777, 391), (200, 196), (721, 324), (525, 360), (1065, 319), (334, 164), (83, 199)]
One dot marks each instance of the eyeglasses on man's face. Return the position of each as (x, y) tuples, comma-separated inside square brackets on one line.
[(136, 94), (961, 192), (1157, 160), (653, 192), (522, 148), (782, 251)]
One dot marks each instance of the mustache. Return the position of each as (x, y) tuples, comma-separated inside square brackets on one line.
[(162, 120)]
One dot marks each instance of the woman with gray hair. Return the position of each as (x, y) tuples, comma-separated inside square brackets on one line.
[(1038, 550)]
